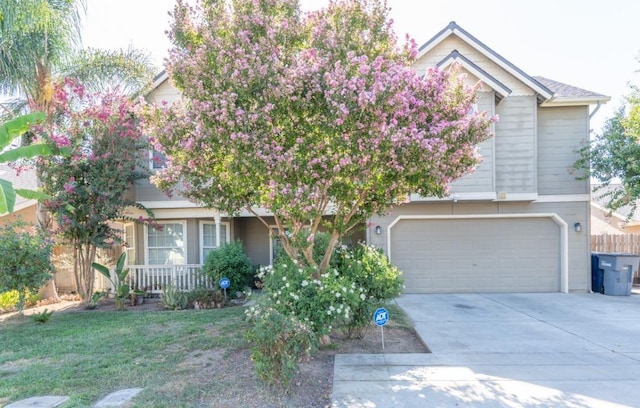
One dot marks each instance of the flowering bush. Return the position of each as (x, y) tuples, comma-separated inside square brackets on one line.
[(367, 267), (291, 289), (358, 281)]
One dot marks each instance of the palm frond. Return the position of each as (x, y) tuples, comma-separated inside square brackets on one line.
[(130, 71)]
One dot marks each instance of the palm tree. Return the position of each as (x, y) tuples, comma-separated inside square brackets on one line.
[(40, 43)]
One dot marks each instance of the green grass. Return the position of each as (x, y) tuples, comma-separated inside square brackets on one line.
[(87, 355)]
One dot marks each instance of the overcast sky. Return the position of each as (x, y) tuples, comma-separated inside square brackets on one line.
[(591, 44)]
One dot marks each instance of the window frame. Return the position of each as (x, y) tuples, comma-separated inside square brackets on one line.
[(201, 225), (164, 222), (129, 246)]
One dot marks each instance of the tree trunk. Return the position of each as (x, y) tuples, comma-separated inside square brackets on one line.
[(326, 259)]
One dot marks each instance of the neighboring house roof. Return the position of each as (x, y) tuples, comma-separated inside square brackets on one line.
[(549, 92), (600, 198), (27, 179)]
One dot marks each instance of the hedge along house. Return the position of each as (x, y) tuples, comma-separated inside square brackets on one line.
[(511, 226)]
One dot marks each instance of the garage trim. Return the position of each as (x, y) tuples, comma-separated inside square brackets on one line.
[(564, 235)]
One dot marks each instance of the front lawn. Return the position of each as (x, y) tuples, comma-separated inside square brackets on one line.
[(180, 358)]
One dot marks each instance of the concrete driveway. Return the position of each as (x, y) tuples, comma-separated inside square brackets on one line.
[(505, 350)]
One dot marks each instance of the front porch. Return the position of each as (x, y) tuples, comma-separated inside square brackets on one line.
[(154, 278)]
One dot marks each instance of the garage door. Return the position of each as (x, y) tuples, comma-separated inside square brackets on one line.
[(477, 255)]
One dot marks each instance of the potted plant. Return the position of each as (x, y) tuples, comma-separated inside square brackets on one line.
[(137, 297)]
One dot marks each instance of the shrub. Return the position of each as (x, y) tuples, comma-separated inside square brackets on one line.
[(9, 300), (292, 290), (230, 261), (25, 263), (368, 267), (172, 298), (358, 281), (278, 342)]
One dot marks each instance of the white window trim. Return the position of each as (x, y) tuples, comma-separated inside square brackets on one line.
[(201, 227), (151, 167), (129, 246), (161, 222), (271, 236)]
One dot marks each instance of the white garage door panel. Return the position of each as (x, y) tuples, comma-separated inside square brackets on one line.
[(478, 255)]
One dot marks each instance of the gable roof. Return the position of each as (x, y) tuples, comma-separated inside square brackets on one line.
[(456, 57), (454, 29), (550, 93)]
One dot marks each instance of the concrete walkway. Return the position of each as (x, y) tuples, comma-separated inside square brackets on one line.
[(505, 350)]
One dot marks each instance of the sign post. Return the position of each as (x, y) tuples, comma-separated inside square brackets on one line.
[(224, 283), (380, 318)]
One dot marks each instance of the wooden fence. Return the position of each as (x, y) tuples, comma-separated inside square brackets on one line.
[(620, 243)]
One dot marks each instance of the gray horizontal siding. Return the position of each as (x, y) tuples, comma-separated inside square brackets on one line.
[(515, 155), (482, 179), (561, 132), (146, 191)]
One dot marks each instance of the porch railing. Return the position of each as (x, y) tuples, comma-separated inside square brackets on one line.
[(153, 278)]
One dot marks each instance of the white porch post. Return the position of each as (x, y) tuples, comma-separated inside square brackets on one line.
[(217, 220)]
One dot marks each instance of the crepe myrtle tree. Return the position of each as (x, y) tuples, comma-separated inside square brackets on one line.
[(87, 188), (316, 117)]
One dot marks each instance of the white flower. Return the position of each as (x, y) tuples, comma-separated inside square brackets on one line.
[(287, 285), (305, 283), (362, 296)]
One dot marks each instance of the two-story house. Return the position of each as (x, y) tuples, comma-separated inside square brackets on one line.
[(519, 223)]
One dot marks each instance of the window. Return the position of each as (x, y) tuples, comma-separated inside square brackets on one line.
[(130, 243), (208, 237), (157, 160), (166, 245)]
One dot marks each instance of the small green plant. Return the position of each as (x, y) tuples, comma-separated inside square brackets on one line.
[(230, 261), (119, 282), (42, 317), (9, 300), (278, 343), (95, 298), (172, 298)]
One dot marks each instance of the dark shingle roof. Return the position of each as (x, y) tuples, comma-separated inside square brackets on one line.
[(564, 91)]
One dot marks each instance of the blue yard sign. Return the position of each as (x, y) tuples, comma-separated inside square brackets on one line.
[(380, 316), (224, 283)]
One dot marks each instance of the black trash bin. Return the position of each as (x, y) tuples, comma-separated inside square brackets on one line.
[(597, 274)]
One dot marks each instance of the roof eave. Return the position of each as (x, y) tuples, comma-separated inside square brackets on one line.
[(455, 57), (576, 101)]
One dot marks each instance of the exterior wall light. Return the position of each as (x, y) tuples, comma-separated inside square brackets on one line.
[(378, 230), (577, 227)]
